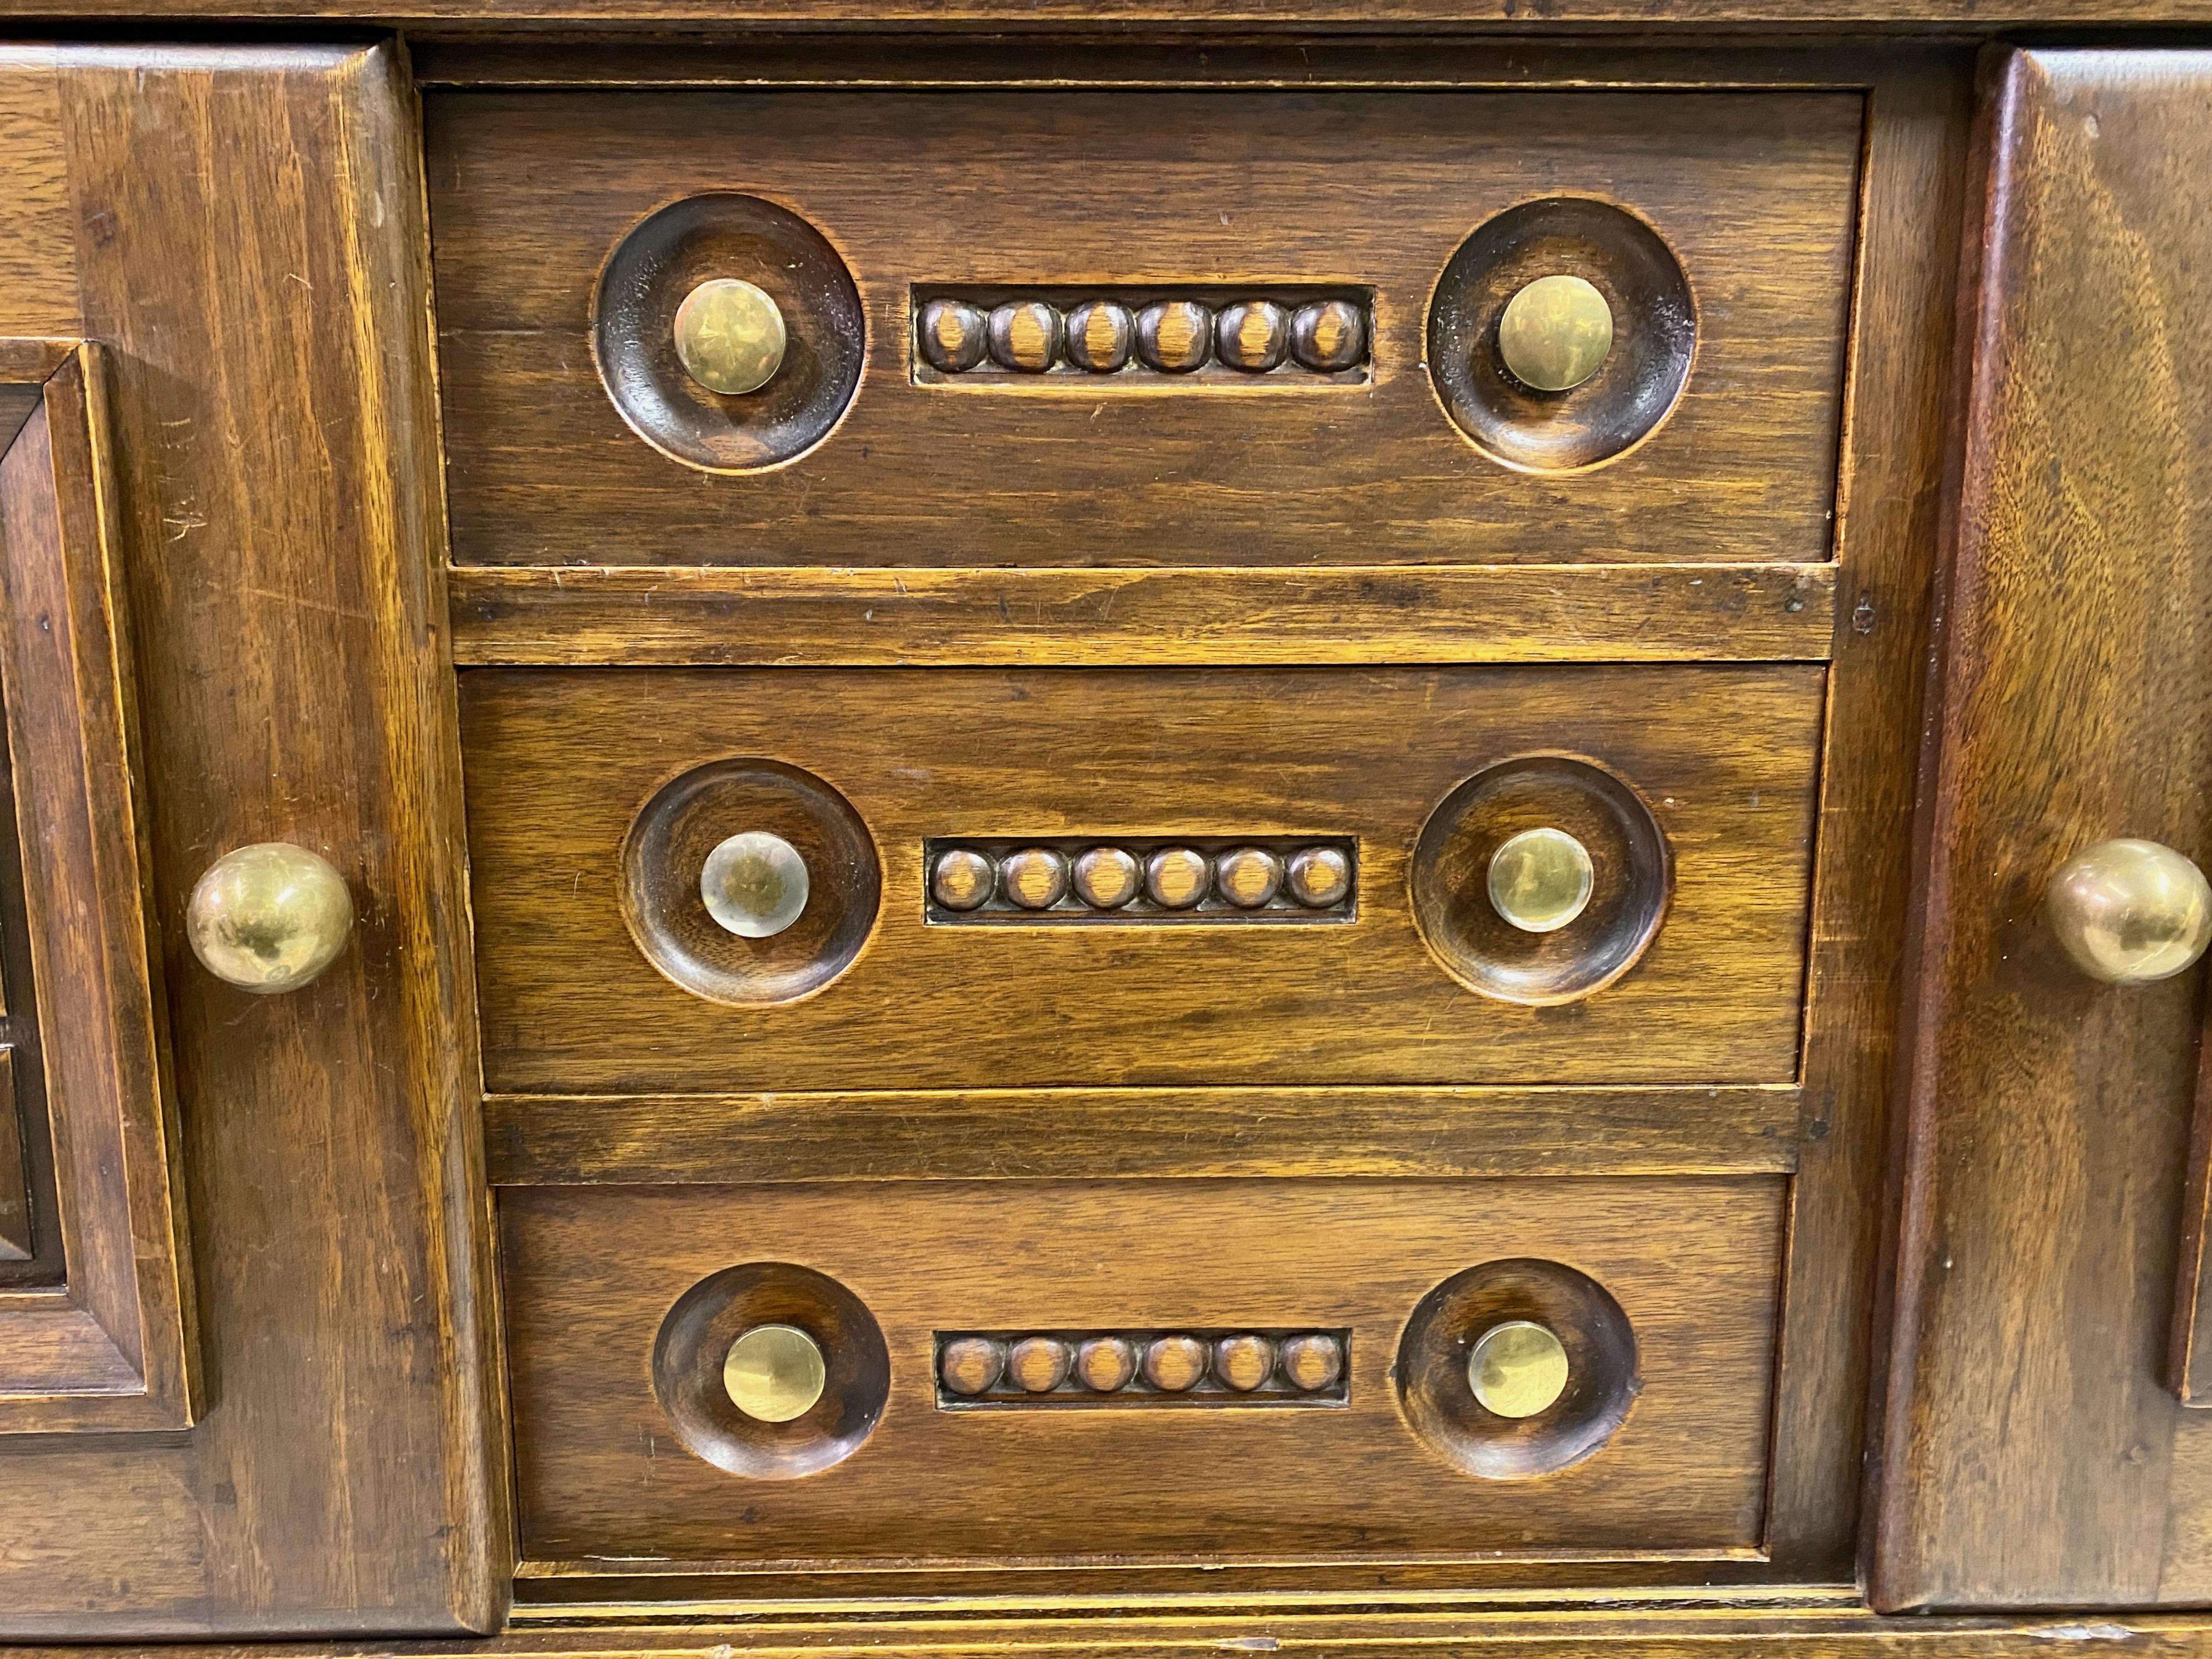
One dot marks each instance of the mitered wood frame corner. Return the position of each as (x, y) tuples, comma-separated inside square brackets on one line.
[(111, 1346)]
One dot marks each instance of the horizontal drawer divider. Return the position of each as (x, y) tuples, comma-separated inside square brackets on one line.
[(679, 616), (1101, 1133)]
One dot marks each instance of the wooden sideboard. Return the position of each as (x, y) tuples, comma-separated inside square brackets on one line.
[(977, 828)]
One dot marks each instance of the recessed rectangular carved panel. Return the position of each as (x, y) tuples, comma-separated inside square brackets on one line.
[(1104, 880), (1146, 1370), (560, 765), (606, 1476), (1143, 193)]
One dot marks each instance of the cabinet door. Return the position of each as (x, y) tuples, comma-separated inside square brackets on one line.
[(2042, 1446), (244, 1385)]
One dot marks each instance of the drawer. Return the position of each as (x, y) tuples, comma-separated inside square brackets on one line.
[(1367, 245), (959, 832), (1314, 1339)]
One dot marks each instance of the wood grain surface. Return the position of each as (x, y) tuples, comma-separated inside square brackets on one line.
[(240, 227), (2033, 1454), (590, 1273), (1755, 194), (561, 761)]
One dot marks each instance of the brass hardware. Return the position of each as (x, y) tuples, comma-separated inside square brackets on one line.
[(1320, 876), (963, 879), (754, 884), (1177, 877), (1107, 878), (269, 917), (1248, 877), (2129, 912), (775, 1373), (1555, 333), (1541, 880), (1517, 1369), (1036, 878), (730, 337)]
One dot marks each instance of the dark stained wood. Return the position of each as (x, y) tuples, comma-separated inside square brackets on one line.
[(2189, 1343), (590, 1274), (1755, 194), (241, 227), (112, 1344), (561, 762), (1107, 1134), (1888, 497), (2033, 1453), (675, 617)]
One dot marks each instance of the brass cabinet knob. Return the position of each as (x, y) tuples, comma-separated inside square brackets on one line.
[(1518, 1369), (2129, 912), (1555, 333), (730, 337), (775, 1373), (269, 917), (1541, 880), (754, 884)]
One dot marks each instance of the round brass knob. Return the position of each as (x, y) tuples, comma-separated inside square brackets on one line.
[(775, 1373), (1541, 880), (754, 884), (2129, 912), (730, 337), (1555, 333), (269, 917), (1517, 1369)]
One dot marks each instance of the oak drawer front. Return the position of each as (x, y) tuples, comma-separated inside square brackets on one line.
[(622, 1304), (596, 801), (1717, 228)]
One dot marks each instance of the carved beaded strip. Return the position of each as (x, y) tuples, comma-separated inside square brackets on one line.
[(979, 1370), (1086, 881), (1304, 335)]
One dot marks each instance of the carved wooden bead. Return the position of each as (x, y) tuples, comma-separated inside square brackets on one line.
[(1175, 1363), (1244, 1361), (953, 335), (963, 879), (1100, 335), (1038, 1363), (1313, 1362), (1105, 1364), (1319, 876), (1106, 877), (972, 1364), (1177, 877), (1252, 334), (1036, 878), (1174, 336), (1025, 336), (1328, 335), (1248, 877)]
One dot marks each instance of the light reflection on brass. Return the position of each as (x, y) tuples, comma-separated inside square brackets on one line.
[(754, 884), (1555, 333), (269, 917), (1517, 1369), (775, 1373), (1541, 880), (730, 337), (2130, 912)]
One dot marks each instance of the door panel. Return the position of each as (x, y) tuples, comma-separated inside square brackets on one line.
[(239, 230), (2036, 1452)]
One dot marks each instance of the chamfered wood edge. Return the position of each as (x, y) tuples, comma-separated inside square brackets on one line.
[(100, 1006), (688, 616), (1109, 1134)]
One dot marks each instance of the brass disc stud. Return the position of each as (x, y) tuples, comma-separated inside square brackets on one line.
[(754, 884), (1541, 880), (730, 337), (1517, 1369), (775, 1373), (1555, 333)]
